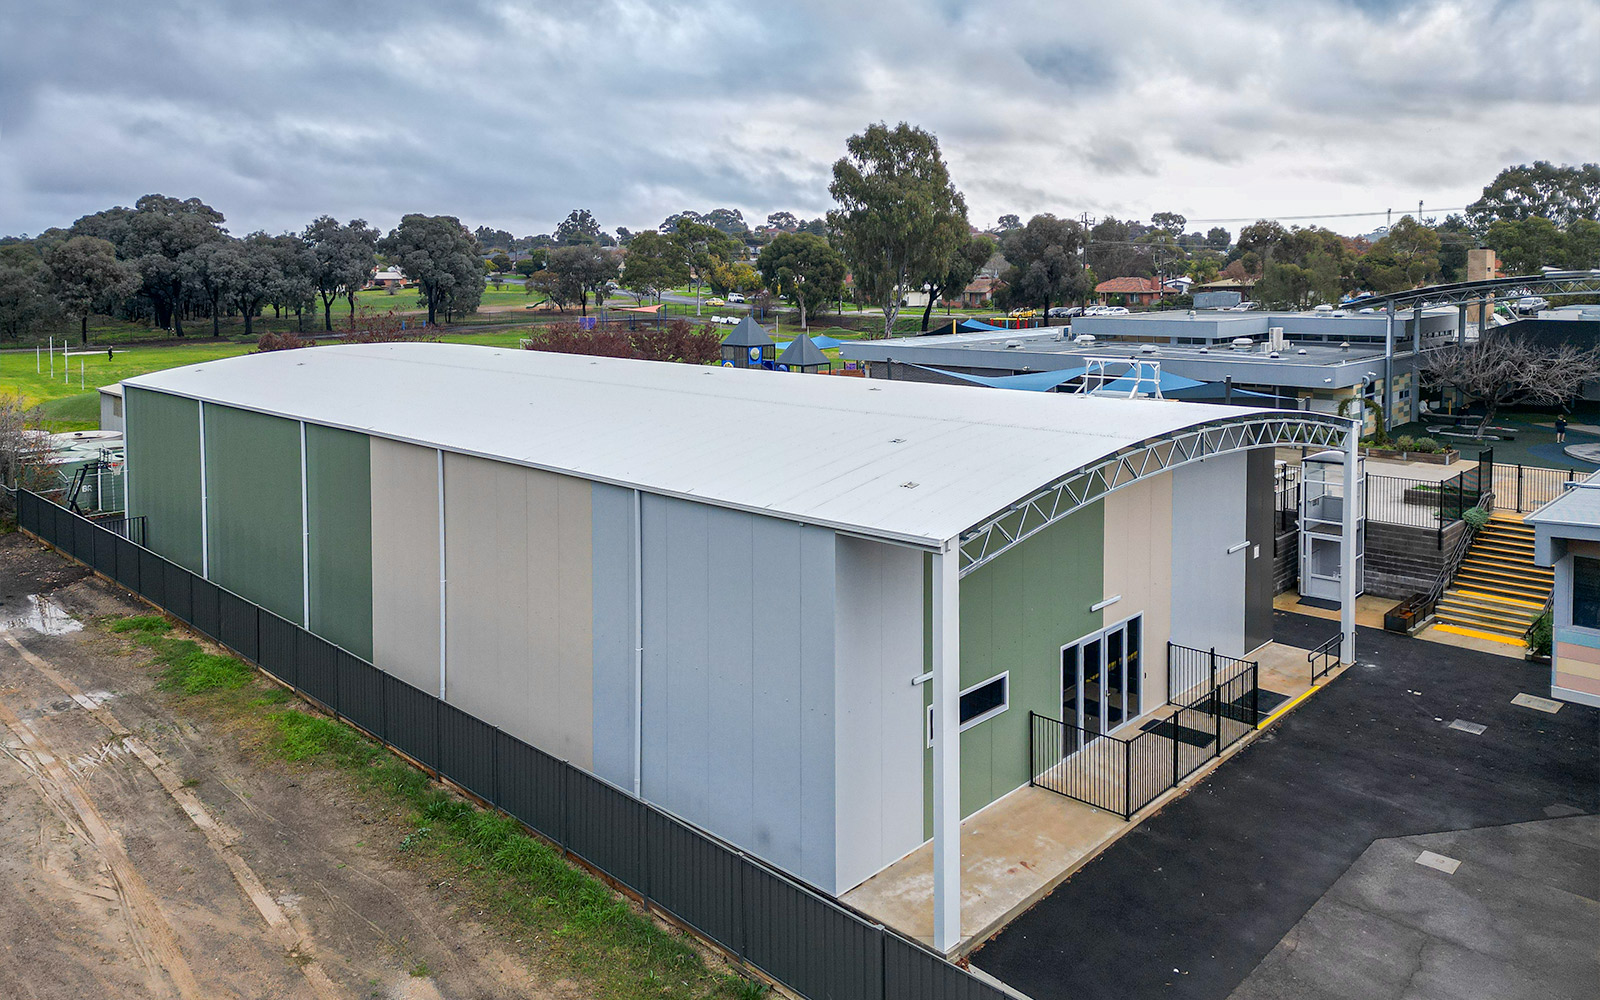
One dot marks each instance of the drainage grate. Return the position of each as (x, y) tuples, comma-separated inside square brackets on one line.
[(1438, 862), (1536, 702), (1468, 727)]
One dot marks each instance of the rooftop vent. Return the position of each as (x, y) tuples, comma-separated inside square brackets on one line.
[(1275, 354), (1301, 351), (1083, 338), (1243, 344), (1148, 349), (1012, 345)]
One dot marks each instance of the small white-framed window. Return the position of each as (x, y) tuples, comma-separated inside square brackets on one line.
[(980, 703)]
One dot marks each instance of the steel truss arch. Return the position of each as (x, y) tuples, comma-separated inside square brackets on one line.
[(986, 541)]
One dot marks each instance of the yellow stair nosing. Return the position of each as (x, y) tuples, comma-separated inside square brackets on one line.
[(1493, 596), (1462, 617), (1479, 634)]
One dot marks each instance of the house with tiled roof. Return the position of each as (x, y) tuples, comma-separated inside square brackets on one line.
[(1131, 291)]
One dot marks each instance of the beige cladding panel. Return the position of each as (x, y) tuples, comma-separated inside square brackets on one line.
[(1138, 567), (405, 562), (520, 643)]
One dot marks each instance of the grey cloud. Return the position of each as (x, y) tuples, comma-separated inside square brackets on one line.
[(511, 113)]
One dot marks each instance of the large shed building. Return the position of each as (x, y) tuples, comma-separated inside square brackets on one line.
[(764, 603)]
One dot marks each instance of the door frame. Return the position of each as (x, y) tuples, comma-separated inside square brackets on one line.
[(1100, 635)]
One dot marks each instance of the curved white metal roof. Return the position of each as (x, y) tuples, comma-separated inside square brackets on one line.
[(908, 461)]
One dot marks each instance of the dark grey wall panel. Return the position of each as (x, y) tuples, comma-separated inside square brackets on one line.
[(1259, 509)]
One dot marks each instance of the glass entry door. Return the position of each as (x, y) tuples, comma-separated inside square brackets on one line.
[(1100, 688)]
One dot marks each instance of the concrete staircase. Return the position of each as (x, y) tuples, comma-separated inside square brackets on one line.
[(1498, 591)]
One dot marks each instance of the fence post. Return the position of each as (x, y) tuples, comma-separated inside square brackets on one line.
[(1127, 780), (1033, 755), (1213, 671), (1216, 713), (1519, 487), (1175, 714), (1255, 694)]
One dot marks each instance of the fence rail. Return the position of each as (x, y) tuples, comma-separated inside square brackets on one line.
[(795, 934), (1192, 672), (1523, 489), (1123, 774)]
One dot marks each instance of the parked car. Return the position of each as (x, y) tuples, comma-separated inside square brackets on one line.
[(1021, 314), (735, 297), (1065, 312), (1094, 310), (1246, 306), (1530, 304), (726, 320), (716, 301), (1115, 311)]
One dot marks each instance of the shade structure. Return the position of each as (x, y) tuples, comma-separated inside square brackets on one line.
[(802, 355), (821, 340), (747, 345), (1029, 381)]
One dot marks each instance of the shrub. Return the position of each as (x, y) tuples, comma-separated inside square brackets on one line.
[(1405, 442), (1540, 634), (1477, 517), (1425, 445)]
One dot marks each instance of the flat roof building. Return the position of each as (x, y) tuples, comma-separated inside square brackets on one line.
[(813, 616)]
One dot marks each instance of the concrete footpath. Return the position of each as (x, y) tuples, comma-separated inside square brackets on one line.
[(1191, 902)]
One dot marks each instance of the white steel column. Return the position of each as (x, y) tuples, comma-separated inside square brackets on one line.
[(1347, 547), (205, 513), (947, 747), (1388, 370)]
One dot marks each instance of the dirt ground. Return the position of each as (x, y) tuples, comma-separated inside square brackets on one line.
[(144, 853)]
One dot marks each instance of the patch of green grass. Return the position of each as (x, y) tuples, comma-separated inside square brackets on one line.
[(79, 412), (420, 970), (142, 624), (592, 929), (189, 668)]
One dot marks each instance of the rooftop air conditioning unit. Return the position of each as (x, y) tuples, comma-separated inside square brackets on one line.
[(1083, 338), (1243, 343), (1012, 345), (1148, 349)]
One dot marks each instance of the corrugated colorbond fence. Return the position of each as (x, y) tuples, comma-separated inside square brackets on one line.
[(798, 936)]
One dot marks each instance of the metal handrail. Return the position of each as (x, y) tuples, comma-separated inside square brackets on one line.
[(1453, 564), (1327, 654)]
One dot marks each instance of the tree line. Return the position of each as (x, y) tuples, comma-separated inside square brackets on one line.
[(900, 226), (167, 261)]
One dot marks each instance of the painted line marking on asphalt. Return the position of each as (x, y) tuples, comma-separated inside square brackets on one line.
[(1302, 696), (1438, 862), (1536, 702), (1476, 729)]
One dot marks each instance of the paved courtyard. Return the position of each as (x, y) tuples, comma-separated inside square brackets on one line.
[(1291, 871)]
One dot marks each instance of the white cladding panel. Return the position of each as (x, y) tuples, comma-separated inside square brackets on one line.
[(1208, 519), (878, 711)]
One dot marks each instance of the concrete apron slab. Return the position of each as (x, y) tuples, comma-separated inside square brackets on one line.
[(1020, 847)]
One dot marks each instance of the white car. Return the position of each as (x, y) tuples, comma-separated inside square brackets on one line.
[(1529, 304), (1115, 311), (735, 297)]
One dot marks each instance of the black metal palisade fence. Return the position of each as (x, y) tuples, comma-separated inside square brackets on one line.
[(795, 934)]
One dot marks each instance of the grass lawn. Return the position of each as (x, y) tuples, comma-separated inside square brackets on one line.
[(75, 405)]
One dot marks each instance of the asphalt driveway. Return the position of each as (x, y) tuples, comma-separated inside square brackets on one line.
[(1189, 903)]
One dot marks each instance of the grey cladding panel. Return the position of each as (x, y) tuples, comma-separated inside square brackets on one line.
[(614, 600), (738, 679)]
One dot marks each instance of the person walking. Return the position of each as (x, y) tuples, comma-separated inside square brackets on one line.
[(1561, 428)]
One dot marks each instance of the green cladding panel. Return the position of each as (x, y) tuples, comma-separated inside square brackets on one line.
[(339, 511), (1016, 614), (253, 507), (163, 435)]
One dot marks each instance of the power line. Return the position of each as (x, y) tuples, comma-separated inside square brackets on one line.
[(1324, 215)]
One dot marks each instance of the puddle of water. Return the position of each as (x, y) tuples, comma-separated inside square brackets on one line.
[(41, 615)]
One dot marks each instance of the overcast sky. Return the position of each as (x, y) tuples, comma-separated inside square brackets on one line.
[(512, 113)]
